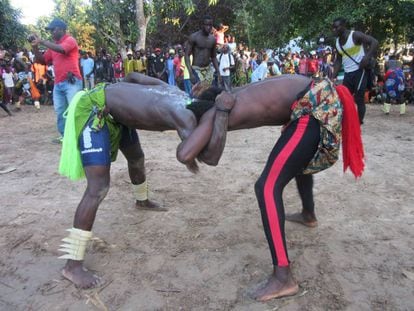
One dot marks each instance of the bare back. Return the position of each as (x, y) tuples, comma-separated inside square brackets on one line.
[(148, 107), (267, 102)]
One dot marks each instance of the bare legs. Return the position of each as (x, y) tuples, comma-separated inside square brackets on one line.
[(307, 216), (98, 184), (136, 169), (280, 284)]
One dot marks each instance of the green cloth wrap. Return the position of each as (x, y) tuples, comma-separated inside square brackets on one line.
[(84, 105)]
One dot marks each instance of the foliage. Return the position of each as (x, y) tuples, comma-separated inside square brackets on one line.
[(260, 23), (384, 19), (12, 33), (74, 13)]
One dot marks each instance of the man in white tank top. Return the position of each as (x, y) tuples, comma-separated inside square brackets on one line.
[(354, 52)]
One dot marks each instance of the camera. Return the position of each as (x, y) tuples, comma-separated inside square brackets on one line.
[(31, 38)]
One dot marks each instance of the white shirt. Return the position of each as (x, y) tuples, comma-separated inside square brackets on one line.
[(8, 79), (225, 61), (260, 72), (355, 51)]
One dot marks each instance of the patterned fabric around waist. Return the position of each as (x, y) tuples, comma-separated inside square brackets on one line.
[(204, 73), (323, 103)]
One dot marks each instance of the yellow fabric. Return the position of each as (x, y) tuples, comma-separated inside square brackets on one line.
[(139, 65)]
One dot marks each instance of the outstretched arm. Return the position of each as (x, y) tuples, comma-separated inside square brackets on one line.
[(138, 78)]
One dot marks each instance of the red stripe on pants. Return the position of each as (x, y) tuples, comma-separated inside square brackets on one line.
[(269, 198)]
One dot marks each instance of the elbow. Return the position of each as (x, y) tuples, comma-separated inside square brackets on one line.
[(183, 156), (210, 161)]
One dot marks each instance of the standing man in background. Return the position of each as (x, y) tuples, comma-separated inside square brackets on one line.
[(355, 50), (226, 62), (202, 46), (87, 65), (63, 54)]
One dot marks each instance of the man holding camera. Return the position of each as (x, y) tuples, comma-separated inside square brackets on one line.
[(63, 55)]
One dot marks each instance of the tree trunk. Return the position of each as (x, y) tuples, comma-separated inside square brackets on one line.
[(142, 22)]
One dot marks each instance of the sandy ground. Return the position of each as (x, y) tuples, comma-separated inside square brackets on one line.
[(208, 252)]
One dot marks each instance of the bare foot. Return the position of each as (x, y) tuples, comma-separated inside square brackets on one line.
[(80, 276), (306, 219), (148, 205), (280, 284)]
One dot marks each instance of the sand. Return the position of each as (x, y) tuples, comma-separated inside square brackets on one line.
[(208, 252)]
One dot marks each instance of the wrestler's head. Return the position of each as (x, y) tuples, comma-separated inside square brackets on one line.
[(207, 26)]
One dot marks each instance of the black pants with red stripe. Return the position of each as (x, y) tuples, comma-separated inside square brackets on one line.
[(291, 154)]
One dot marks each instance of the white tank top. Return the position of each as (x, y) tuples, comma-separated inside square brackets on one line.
[(355, 51)]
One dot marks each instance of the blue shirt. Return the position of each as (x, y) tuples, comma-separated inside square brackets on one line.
[(87, 66)]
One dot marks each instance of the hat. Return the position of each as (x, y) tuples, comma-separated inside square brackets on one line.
[(171, 51), (56, 23), (157, 50)]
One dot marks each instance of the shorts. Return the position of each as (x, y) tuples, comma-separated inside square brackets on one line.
[(95, 146)]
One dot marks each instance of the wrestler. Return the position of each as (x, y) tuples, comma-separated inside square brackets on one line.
[(202, 45), (101, 121), (314, 118)]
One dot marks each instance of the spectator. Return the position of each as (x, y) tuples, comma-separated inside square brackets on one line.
[(226, 62), (303, 64), (219, 34), (8, 85), (261, 72), (118, 68), (87, 65), (159, 67), (129, 64), (355, 51), (202, 45), (63, 54), (179, 74), (170, 67), (102, 67), (313, 65), (139, 63)]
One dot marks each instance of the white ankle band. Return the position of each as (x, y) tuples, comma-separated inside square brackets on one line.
[(75, 244), (141, 191)]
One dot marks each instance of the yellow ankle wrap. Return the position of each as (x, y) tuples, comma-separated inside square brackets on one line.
[(75, 244), (141, 191)]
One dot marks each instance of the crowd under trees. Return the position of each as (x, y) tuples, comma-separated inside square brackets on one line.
[(258, 23)]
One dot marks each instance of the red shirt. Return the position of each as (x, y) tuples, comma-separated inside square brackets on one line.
[(177, 64), (118, 70), (313, 65), (63, 63)]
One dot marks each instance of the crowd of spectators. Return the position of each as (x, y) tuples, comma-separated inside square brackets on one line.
[(26, 81)]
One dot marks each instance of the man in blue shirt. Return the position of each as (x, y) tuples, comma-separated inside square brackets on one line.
[(87, 64)]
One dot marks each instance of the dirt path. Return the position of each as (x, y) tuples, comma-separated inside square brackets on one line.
[(208, 251)]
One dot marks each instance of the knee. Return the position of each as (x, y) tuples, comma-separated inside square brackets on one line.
[(98, 190), (137, 163), (259, 187)]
